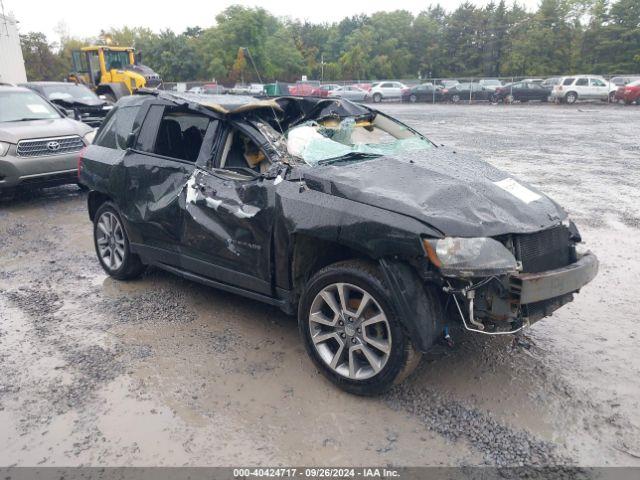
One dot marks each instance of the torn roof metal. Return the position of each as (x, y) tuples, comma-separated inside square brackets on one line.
[(294, 108), (224, 104)]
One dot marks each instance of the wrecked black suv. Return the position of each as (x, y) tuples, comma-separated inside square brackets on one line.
[(378, 240)]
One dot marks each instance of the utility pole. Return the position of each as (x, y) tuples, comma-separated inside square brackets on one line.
[(322, 68)]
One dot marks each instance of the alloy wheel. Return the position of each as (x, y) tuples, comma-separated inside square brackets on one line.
[(110, 240), (350, 331)]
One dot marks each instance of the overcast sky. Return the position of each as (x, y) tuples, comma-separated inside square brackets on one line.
[(85, 19)]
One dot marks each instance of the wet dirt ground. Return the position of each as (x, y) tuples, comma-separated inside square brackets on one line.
[(162, 371)]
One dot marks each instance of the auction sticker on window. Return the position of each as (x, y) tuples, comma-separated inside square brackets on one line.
[(517, 190)]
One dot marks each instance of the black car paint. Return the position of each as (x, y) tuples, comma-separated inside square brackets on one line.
[(423, 93), (523, 92), (449, 192), (258, 235), (468, 91)]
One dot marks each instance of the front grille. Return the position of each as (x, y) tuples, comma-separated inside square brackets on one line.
[(536, 311), (41, 147), (92, 109), (545, 250)]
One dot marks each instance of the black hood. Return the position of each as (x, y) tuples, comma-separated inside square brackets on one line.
[(457, 194), (74, 103)]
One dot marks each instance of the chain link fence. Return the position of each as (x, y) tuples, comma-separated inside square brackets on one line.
[(464, 90)]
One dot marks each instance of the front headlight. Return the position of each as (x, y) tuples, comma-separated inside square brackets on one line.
[(470, 257), (4, 148), (88, 138)]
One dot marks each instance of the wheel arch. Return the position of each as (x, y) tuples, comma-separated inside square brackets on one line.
[(419, 306), (94, 201), (311, 254)]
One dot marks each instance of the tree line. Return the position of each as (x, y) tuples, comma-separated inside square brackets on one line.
[(499, 39)]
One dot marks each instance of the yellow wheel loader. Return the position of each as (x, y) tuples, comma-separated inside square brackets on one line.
[(112, 72)]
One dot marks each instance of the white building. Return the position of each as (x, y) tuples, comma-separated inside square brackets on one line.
[(11, 60)]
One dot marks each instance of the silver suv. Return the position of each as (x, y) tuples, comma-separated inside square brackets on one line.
[(580, 87), (38, 145)]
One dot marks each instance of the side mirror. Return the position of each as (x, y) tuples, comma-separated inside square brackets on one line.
[(131, 140)]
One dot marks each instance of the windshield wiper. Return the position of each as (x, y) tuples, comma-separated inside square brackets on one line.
[(349, 157)]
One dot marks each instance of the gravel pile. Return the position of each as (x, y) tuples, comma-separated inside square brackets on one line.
[(39, 305), (36, 303), (499, 445), (90, 368), (150, 306)]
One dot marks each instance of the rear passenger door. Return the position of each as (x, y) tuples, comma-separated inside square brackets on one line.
[(518, 90), (157, 170), (582, 88), (599, 89)]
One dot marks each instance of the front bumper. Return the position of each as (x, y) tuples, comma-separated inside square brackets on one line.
[(536, 287), (46, 170)]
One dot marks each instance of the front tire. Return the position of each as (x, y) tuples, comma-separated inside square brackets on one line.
[(455, 98), (112, 245), (351, 330), (413, 98)]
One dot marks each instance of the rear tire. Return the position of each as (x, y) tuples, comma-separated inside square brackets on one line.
[(363, 349), (571, 98), (112, 245), (455, 98), (413, 98), (612, 97), (377, 98)]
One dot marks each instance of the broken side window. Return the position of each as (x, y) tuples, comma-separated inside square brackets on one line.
[(239, 151)]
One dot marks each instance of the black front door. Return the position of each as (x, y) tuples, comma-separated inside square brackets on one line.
[(227, 228)]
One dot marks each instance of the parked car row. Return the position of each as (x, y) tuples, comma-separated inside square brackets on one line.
[(567, 89)]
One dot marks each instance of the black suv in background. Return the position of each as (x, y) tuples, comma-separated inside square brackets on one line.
[(376, 238), (86, 106)]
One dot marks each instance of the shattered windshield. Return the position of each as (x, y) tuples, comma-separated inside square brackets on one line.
[(335, 140)]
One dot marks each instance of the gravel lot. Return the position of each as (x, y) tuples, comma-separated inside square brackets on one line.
[(161, 371)]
